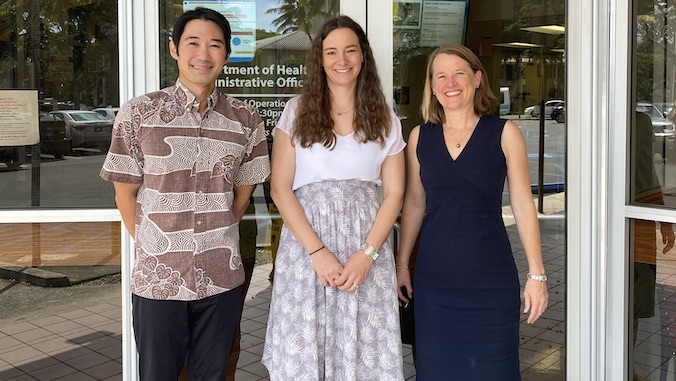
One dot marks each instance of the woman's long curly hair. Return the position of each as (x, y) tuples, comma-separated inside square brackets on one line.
[(313, 123)]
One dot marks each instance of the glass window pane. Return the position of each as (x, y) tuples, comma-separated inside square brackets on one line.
[(521, 46), (651, 136), (68, 51), (654, 291), (652, 181)]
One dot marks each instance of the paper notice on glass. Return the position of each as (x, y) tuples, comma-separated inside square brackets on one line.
[(443, 22), (19, 112), (241, 14)]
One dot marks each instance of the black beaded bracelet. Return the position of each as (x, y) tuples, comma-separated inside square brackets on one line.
[(317, 250)]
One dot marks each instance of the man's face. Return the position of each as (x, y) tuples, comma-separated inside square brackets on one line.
[(200, 54)]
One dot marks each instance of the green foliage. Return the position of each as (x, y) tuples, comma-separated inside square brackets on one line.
[(302, 14), (262, 33)]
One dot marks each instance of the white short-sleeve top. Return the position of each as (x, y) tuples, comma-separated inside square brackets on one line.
[(349, 158)]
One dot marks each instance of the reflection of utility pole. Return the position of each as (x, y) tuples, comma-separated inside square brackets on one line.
[(35, 151), (35, 49), (541, 138), (665, 10)]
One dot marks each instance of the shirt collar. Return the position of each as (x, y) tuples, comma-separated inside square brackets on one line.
[(191, 102)]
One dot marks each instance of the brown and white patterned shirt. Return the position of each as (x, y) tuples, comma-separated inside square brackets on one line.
[(187, 237)]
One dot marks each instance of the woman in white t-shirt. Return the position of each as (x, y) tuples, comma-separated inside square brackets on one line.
[(334, 313)]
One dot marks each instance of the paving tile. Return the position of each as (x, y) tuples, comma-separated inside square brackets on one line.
[(14, 328), (91, 320), (47, 320), (249, 325), (82, 335), (70, 353), (102, 342), (256, 368), (77, 377), (8, 344), (37, 363), (104, 370), (63, 326), (246, 358), (103, 307), (53, 372), (115, 314), (87, 360), (242, 375), (52, 345), (24, 377), (113, 352), (34, 335), (21, 355), (115, 378)]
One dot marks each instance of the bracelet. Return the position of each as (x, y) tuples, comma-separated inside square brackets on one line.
[(370, 251), (317, 250), (540, 278)]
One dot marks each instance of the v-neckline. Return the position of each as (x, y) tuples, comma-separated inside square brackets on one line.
[(448, 149)]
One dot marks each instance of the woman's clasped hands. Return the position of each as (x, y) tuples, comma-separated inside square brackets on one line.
[(346, 278)]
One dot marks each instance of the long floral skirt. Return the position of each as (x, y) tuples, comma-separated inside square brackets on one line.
[(321, 333)]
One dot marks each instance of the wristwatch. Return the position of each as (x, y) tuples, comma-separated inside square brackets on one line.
[(539, 278), (369, 250)]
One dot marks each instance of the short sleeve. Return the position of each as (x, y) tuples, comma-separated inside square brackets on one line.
[(285, 122), (395, 140), (255, 166), (124, 161)]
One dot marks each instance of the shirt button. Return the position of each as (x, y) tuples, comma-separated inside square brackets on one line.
[(199, 222)]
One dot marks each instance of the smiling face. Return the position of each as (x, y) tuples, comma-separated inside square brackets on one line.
[(201, 54), (454, 83), (342, 57)]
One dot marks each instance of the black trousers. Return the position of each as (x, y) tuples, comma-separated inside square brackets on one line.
[(204, 330)]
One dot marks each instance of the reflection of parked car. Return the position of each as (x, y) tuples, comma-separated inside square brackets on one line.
[(534, 110), (558, 112), (87, 128), (664, 107), (54, 140), (54, 136), (663, 128), (107, 112), (12, 157)]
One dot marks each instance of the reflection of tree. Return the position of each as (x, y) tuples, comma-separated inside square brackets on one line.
[(67, 49), (302, 14), (262, 33), (655, 27)]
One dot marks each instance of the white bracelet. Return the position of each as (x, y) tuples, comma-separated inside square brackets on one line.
[(540, 278), (369, 250)]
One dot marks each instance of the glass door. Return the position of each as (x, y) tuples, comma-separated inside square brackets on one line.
[(652, 181), (522, 49)]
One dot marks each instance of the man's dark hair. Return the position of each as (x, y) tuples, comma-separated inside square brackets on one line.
[(205, 14)]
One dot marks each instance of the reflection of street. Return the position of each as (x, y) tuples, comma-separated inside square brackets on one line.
[(69, 182), (555, 148)]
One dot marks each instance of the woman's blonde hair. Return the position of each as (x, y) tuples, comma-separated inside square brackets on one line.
[(484, 100)]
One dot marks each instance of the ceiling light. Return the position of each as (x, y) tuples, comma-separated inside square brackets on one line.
[(546, 29)]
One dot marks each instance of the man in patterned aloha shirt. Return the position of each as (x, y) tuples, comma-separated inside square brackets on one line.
[(184, 161)]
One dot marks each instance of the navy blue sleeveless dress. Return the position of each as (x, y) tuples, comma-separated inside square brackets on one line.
[(466, 291)]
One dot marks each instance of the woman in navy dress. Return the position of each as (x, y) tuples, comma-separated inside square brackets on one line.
[(466, 283)]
